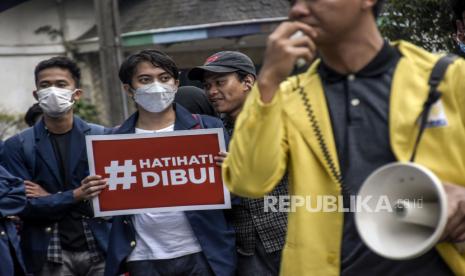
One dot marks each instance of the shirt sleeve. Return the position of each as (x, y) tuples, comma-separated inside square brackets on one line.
[(258, 150), (53, 206), (12, 194)]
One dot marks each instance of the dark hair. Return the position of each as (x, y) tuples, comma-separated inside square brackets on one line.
[(157, 58), (194, 99), (33, 114), (458, 6), (60, 62), (241, 75)]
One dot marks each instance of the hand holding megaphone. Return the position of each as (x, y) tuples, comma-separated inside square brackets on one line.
[(425, 211), (455, 228), (284, 49), (300, 62)]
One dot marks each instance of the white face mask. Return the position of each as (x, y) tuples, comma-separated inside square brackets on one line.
[(155, 97), (54, 101)]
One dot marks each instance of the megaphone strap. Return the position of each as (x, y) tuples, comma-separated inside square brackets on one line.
[(437, 74)]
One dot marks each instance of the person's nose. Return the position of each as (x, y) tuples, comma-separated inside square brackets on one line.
[(212, 92), (299, 10)]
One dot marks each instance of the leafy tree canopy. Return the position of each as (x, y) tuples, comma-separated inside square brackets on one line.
[(426, 23)]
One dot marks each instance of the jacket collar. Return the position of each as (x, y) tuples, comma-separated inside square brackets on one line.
[(381, 63), (41, 130), (184, 120), (409, 91), (298, 114), (76, 147)]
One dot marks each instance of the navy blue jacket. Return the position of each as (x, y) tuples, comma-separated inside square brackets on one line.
[(1, 153), (215, 235), (12, 201), (41, 213)]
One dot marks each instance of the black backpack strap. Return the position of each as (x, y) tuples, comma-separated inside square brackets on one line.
[(437, 75)]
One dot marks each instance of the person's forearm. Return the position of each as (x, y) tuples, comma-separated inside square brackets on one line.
[(258, 152), (267, 88)]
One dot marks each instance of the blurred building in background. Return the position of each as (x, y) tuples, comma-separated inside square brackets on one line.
[(188, 30)]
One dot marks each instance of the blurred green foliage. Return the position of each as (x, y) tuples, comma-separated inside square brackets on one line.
[(10, 124), (426, 23), (87, 111)]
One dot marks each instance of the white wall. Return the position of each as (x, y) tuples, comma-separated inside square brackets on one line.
[(21, 49)]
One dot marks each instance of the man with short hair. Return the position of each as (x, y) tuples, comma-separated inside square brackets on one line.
[(59, 235), (354, 110), (172, 243), (228, 78)]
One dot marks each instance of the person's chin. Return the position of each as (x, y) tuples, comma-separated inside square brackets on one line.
[(220, 108), (226, 111)]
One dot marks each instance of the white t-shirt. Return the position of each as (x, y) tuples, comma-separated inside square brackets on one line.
[(164, 235)]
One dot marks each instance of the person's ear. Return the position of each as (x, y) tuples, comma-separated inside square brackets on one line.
[(128, 90), (248, 82), (77, 94), (176, 82), (369, 4), (34, 93)]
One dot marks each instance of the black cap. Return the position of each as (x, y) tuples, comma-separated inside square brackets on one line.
[(223, 62)]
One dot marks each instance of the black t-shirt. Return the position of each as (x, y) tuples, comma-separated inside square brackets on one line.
[(359, 109), (70, 228)]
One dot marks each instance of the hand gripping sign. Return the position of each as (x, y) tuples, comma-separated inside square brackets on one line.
[(167, 171)]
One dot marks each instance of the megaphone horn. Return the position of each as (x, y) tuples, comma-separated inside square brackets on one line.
[(418, 217), (417, 213)]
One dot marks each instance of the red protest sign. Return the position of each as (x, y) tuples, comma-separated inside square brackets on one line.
[(164, 171)]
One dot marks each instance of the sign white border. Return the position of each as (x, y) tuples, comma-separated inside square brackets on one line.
[(192, 132)]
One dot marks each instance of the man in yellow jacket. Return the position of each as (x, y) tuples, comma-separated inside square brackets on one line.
[(354, 110)]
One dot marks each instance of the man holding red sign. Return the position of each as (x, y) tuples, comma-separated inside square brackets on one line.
[(169, 243)]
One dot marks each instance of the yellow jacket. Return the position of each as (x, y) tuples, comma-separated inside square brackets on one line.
[(270, 138)]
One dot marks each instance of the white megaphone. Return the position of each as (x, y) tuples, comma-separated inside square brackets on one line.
[(418, 215)]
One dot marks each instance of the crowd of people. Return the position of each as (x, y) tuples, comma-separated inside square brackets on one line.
[(320, 132)]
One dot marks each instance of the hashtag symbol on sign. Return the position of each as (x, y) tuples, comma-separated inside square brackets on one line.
[(126, 180)]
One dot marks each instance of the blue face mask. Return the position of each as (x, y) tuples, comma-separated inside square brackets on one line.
[(461, 46)]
